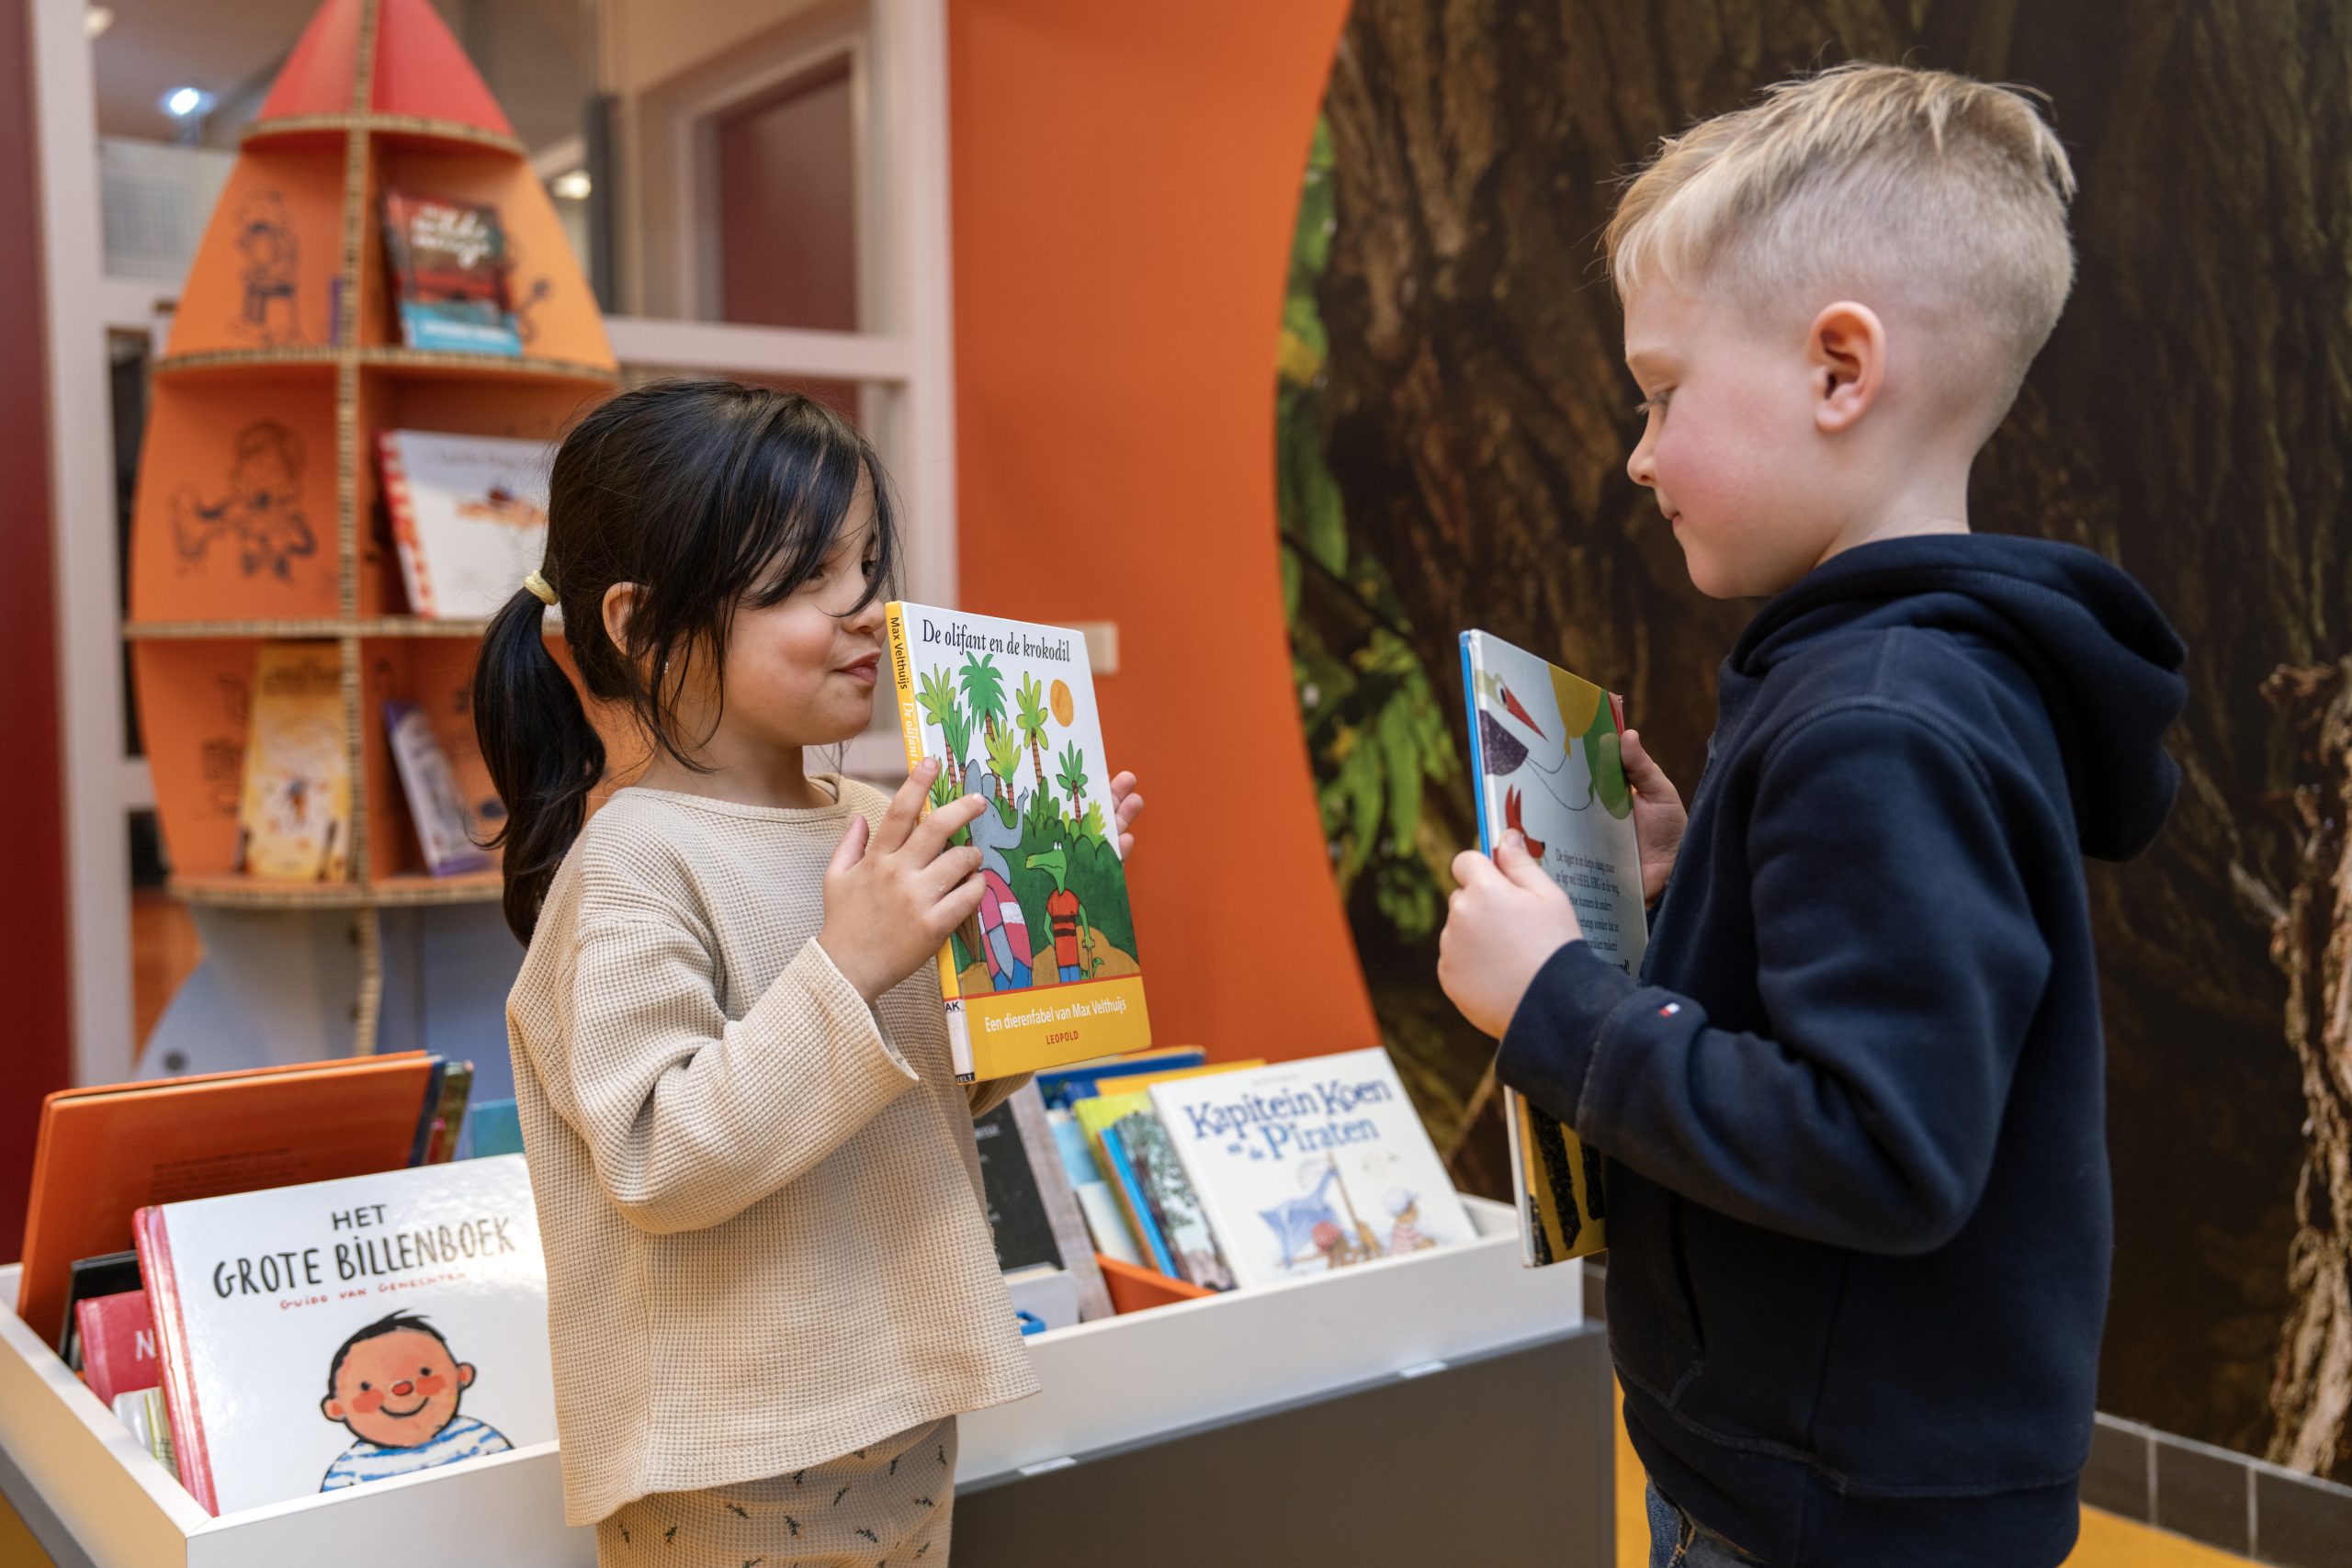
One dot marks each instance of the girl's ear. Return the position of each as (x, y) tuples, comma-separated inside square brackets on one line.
[(620, 602)]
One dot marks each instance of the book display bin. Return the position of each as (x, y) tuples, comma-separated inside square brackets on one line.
[(257, 508), (1446, 1406)]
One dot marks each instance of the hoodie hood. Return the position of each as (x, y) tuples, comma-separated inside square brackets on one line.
[(2105, 660)]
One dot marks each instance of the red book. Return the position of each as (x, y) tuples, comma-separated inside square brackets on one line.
[(117, 1345)]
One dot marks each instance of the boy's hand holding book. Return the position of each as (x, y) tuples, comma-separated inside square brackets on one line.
[(1658, 817), (1504, 922), (889, 903)]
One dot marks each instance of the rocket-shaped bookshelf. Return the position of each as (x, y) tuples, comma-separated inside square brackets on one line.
[(256, 515)]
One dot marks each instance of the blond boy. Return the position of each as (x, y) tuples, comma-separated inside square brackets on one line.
[(1859, 1215)]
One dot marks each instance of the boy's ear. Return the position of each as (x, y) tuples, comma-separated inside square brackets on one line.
[(1847, 350), (464, 1374), (330, 1407)]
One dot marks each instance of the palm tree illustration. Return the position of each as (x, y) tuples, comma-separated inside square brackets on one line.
[(1072, 776), (941, 707), (1032, 721), (983, 686), (1004, 756)]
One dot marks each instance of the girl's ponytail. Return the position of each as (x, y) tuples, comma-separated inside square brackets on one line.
[(544, 755)]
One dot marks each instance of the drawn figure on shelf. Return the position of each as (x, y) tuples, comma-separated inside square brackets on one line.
[(261, 516), (1073, 938), (396, 1386), (1404, 1228), (265, 239)]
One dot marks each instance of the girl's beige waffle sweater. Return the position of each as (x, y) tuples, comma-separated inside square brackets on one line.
[(765, 1236)]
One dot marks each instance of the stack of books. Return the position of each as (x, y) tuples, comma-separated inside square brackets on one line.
[(213, 1253), (1232, 1175)]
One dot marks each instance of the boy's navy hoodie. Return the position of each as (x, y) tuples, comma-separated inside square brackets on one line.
[(1858, 1217)]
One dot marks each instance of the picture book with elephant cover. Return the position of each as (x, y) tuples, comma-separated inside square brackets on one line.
[(1544, 762), (1048, 973)]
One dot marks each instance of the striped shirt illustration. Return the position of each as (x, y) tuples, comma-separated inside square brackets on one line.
[(463, 1438)]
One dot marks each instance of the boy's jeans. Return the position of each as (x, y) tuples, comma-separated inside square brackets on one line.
[(1678, 1540)]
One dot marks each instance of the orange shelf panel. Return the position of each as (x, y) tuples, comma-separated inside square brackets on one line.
[(265, 272), (437, 674), (235, 512), (193, 700)]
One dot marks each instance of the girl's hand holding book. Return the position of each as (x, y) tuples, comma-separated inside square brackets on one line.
[(1126, 806), (892, 895)]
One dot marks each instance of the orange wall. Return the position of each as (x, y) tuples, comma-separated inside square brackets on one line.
[(1125, 184)]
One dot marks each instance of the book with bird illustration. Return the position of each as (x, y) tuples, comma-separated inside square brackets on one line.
[(1308, 1166), (1048, 973), (1544, 762)]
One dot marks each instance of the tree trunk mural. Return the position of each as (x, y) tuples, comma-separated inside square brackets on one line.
[(2191, 419), (2311, 940)]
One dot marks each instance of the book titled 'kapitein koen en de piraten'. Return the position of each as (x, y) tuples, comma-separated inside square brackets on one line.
[(1048, 972)]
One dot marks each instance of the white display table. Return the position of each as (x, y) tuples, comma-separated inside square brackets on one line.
[(94, 1495)]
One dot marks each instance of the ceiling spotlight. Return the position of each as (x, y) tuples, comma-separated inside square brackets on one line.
[(181, 103), (96, 20), (572, 186)]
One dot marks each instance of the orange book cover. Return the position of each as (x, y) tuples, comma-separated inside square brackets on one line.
[(105, 1151)]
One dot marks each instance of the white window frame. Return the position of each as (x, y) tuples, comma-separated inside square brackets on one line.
[(905, 357)]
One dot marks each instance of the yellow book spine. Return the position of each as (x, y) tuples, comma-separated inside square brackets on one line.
[(902, 677)]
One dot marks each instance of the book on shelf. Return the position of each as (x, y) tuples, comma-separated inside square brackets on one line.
[(117, 1335), (1546, 763), (1048, 973), (294, 813), (1106, 1226), (468, 517), (337, 1332), (1046, 1298), (1151, 1243), (1311, 1164), (109, 1274), (143, 1412), (1033, 1209), (446, 830), (1176, 1209), (102, 1151), (448, 265), (1061, 1086)]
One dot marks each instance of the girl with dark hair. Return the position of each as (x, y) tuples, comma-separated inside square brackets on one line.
[(770, 1282)]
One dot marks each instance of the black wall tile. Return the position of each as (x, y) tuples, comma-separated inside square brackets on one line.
[(2117, 1477), (2201, 1494), (2302, 1522)]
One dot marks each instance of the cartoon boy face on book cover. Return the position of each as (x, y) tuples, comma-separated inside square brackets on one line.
[(1008, 707), (332, 1335)]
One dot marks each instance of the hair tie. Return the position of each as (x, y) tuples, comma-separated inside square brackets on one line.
[(539, 589)]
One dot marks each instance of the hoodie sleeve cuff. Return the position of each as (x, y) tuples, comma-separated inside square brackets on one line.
[(1547, 1052)]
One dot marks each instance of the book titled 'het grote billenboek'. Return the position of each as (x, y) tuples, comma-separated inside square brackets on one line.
[(339, 1333), (1048, 973)]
